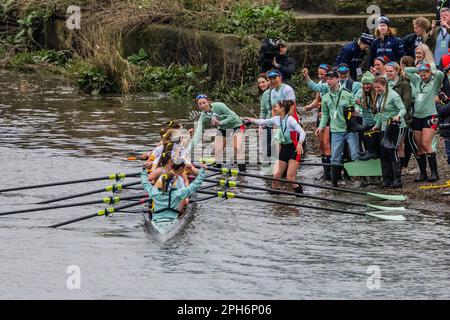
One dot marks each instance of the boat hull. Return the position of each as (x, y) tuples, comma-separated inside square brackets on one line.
[(165, 230)]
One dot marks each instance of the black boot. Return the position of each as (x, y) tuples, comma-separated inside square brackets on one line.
[(326, 169), (363, 182), (397, 172), (352, 122), (242, 167), (386, 168), (434, 176), (372, 150), (299, 189), (335, 171), (422, 161), (390, 137)]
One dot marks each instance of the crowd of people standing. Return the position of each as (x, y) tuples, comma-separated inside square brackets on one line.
[(390, 108)]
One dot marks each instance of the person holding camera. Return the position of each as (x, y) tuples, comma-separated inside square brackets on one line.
[(283, 63), (439, 5), (440, 33), (427, 84), (273, 56), (335, 104), (353, 53)]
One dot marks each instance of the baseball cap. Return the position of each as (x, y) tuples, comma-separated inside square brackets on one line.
[(281, 43), (332, 74), (273, 74), (424, 67), (343, 68)]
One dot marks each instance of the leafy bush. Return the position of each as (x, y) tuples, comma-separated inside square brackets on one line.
[(139, 58), (20, 59), (179, 81), (90, 79), (262, 21)]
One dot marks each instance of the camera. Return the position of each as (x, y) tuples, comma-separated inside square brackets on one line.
[(269, 49), (443, 97)]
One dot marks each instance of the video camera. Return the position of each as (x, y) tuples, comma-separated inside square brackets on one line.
[(269, 49)]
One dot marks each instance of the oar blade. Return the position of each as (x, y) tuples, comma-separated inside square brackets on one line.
[(383, 208), (369, 168), (392, 197), (381, 216)]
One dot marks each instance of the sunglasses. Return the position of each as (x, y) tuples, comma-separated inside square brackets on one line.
[(201, 96), (392, 64)]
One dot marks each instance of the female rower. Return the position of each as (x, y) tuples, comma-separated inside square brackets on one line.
[(324, 136), (290, 153), (379, 65), (266, 112), (156, 152), (366, 98), (391, 117), (428, 84), (425, 56), (229, 125), (400, 84), (169, 200)]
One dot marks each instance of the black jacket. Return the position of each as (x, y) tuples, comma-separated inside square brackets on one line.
[(351, 55), (287, 67), (409, 42)]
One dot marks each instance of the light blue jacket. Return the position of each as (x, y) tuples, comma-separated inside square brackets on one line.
[(161, 199)]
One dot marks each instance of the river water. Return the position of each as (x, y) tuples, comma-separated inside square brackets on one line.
[(231, 249)]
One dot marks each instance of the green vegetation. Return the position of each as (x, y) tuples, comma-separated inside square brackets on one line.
[(179, 81), (98, 65), (262, 22)]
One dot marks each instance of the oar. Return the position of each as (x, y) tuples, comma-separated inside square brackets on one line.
[(367, 168), (104, 212), (114, 176), (113, 188), (108, 200), (235, 172), (231, 195), (231, 184)]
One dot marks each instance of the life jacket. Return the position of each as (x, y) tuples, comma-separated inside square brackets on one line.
[(168, 205)]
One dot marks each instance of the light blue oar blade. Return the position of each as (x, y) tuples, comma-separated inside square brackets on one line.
[(393, 197), (369, 168), (398, 217), (382, 208)]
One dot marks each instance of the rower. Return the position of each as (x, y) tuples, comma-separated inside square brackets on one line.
[(168, 201), (229, 125), (291, 150)]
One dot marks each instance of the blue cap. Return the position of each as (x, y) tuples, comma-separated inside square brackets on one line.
[(343, 68), (424, 67), (273, 74)]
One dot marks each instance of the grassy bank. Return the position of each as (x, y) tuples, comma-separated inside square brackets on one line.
[(94, 56)]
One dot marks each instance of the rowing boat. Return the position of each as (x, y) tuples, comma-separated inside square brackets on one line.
[(166, 229)]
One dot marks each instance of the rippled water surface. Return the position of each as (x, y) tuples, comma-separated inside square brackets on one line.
[(231, 249)]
